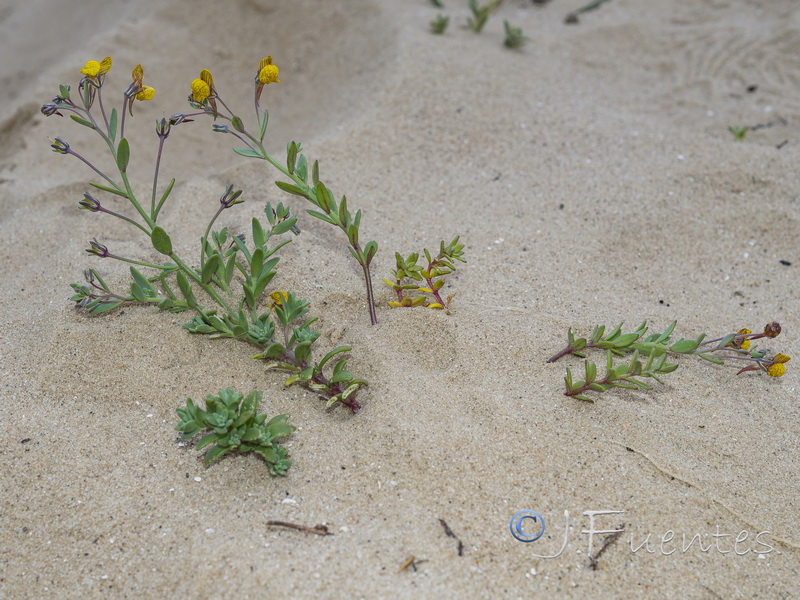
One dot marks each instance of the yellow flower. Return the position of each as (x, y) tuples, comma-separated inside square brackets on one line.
[(203, 89), (739, 342), (778, 368), (93, 68), (278, 298), (147, 93), (200, 90), (141, 91), (203, 86), (267, 72), (745, 343)]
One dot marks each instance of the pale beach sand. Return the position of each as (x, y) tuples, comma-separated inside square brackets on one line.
[(593, 180)]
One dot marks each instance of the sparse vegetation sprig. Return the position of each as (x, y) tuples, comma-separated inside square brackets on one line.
[(303, 178), (514, 37), (481, 13), (656, 348), (572, 18), (738, 133), (231, 421), (226, 262), (429, 279), (439, 24)]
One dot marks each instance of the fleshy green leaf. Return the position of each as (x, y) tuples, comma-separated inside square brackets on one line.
[(161, 241)]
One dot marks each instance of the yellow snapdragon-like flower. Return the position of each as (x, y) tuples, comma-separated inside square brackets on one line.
[(200, 90), (147, 93), (143, 92), (203, 86), (743, 344), (778, 368), (267, 72), (278, 298), (93, 68)]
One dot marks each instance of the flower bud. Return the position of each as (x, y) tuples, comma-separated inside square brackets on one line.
[(89, 203), (50, 109), (97, 249), (60, 146), (230, 197), (162, 127)]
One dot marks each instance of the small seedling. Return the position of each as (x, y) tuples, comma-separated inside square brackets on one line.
[(481, 14), (572, 18), (738, 132), (439, 24), (232, 422), (514, 36), (656, 348), (430, 279)]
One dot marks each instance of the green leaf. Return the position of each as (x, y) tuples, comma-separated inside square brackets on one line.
[(215, 452), (112, 125), (302, 351), (370, 250), (210, 268), (323, 196), (278, 427), (291, 157), (684, 346), (104, 306), (259, 238), (110, 190), (248, 152), (331, 354), (142, 282), (123, 155), (161, 241), (591, 371), (291, 189), (712, 359), (186, 289), (321, 216), (229, 268), (263, 129), (208, 439), (597, 333), (340, 376), (83, 122), (623, 341), (256, 262), (164, 197), (665, 336), (284, 226)]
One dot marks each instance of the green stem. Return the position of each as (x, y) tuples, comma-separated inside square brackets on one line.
[(206, 288), (163, 268), (133, 201), (153, 212)]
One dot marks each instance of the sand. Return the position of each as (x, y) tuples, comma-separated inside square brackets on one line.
[(591, 176)]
